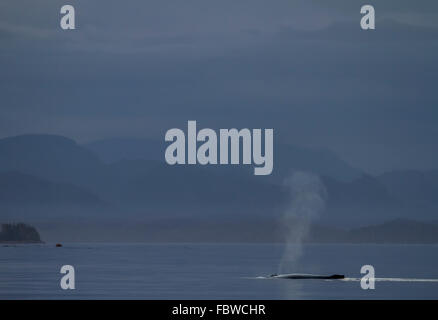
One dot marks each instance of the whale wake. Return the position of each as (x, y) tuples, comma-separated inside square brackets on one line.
[(341, 277)]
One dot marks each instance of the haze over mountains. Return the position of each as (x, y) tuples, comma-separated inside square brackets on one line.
[(23, 189), (52, 180)]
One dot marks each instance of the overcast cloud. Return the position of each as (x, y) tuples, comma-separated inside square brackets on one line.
[(305, 68)]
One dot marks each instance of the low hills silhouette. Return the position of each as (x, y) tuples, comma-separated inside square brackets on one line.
[(47, 176)]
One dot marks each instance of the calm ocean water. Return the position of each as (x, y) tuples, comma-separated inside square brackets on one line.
[(215, 271)]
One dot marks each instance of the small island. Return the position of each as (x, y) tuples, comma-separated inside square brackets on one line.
[(19, 233)]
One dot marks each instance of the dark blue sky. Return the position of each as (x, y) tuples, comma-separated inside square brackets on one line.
[(305, 68)]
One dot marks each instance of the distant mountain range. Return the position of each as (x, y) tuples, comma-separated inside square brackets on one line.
[(287, 157), (409, 186), (252, 231), (50, 157), (17, 188), (128, 178), (117, 149)]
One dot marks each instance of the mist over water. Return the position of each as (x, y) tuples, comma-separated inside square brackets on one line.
[(307, 202)]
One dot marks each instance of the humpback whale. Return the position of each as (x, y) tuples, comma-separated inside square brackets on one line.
[(306, 276)]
